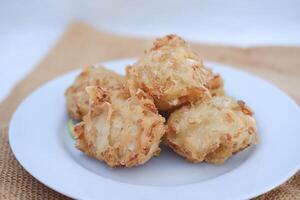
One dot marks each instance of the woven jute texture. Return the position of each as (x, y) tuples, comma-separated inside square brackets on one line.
[(81, 45)]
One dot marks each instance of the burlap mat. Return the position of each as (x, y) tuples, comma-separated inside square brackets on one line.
[(81, 45)]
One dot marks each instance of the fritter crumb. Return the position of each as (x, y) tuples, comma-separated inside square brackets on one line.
[(211, 130), (96, 75), (120, 129), (171, 73)]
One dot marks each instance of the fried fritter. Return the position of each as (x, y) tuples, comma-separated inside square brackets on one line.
[(211, 130), (171, 73), (76, 97), (121, 129)]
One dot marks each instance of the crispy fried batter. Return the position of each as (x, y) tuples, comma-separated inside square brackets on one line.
[(171, 73), (122, 129), (211, 129), (76, 96), (216, 85), (121, 124)]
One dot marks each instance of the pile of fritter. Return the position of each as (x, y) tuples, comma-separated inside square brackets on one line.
[(167, 96)]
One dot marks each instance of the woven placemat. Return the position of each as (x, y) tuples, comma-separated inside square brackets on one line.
[(82, 44)]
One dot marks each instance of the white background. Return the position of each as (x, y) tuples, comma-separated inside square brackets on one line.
[(28, 29)]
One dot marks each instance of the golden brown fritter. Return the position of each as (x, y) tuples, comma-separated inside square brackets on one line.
[(76, 97), (211, 129), (121, 129), (171, 73)]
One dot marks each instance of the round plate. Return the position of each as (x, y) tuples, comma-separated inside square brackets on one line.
[(40, 141)]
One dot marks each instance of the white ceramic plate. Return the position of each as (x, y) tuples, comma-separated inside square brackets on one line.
[(39, 139)]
